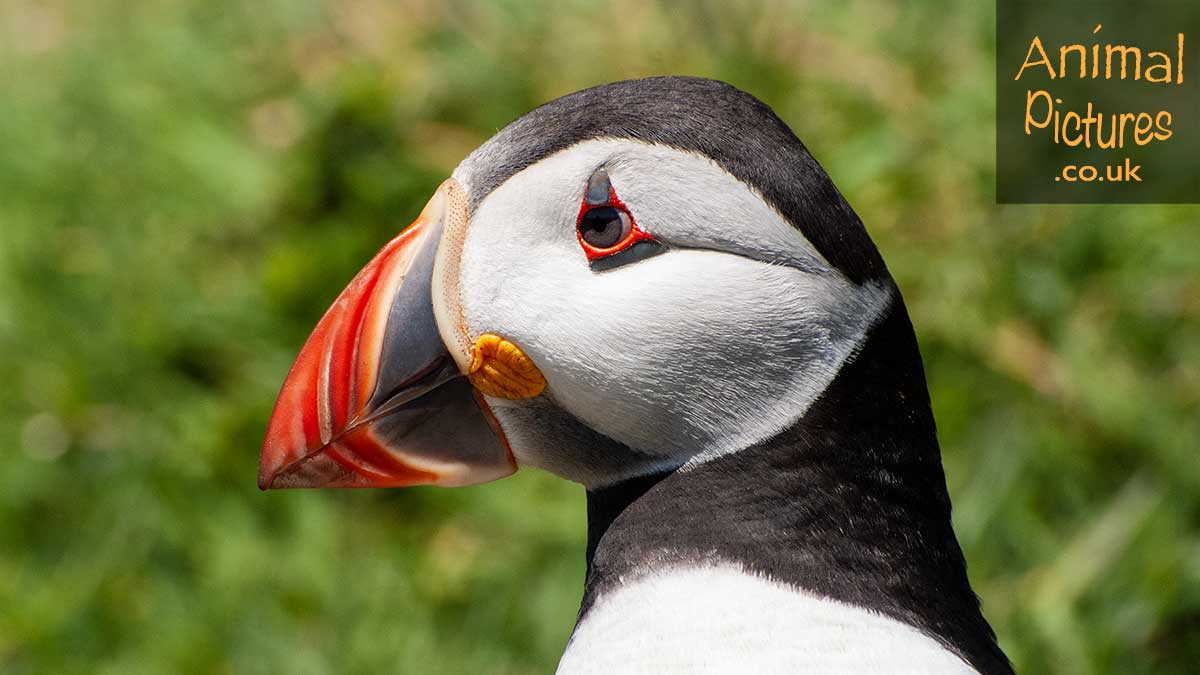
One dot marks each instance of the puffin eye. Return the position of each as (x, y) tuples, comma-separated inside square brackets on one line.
[(607, 231), (605, 227)]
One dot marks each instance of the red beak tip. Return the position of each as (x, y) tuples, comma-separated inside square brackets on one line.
[(265, 478), (270, 466)]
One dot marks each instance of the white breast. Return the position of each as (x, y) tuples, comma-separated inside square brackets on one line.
[(724, 620)]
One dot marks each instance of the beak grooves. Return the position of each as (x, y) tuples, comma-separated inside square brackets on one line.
[(335, 375), (376, 397)]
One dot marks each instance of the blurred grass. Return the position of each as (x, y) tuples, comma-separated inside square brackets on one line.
[(185, 186)]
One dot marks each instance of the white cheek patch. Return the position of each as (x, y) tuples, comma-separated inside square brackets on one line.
[(691, 202), (721, 342)]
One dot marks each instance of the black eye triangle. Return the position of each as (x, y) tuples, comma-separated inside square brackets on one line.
[(598, 188), (601, 209)]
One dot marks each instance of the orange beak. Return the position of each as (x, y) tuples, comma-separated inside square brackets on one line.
[(374, 399)]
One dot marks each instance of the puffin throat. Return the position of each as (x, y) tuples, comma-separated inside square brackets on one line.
[(850, 504)]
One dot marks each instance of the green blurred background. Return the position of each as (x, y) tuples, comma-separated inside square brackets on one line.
[(185, 185)]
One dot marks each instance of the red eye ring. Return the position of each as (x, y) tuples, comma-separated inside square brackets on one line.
[(633, 236)]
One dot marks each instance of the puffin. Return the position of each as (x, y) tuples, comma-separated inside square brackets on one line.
[(651, 288)]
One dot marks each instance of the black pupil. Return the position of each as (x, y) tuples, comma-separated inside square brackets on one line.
[(602, 227)]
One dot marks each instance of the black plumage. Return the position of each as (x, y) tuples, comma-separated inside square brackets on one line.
[(849, 503)]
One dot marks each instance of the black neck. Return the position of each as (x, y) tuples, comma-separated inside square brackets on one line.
[(850, 504)]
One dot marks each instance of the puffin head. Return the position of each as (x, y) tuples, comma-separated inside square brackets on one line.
[(626, 281)]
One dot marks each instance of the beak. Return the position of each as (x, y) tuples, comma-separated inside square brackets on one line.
[(375, 399)]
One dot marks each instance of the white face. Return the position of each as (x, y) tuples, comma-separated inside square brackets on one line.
[(721, 341)]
